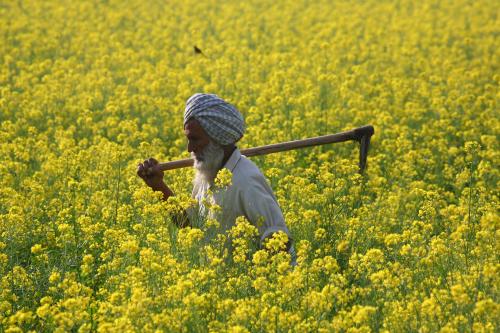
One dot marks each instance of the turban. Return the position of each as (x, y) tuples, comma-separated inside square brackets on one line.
[(221, 120)]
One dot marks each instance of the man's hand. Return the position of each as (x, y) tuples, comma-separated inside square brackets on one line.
[(153, 177), (151, 174)]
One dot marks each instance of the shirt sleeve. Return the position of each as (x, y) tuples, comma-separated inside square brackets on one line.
[(261, 207)]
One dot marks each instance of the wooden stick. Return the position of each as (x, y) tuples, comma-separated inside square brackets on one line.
[(360, 134)]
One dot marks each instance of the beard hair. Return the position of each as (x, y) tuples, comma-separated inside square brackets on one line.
[(207, 164)]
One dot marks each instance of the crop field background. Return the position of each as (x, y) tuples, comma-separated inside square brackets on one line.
[(88, 89)]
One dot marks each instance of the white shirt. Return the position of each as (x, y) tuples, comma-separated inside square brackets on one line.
[(249, 195)]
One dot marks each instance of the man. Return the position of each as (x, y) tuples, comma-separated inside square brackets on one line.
[(212, 127)]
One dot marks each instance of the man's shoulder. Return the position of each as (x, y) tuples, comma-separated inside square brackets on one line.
[(246, 171)]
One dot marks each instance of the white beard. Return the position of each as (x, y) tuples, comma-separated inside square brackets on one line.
[(207, 164)]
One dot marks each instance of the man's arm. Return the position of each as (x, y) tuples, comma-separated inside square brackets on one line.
[(163, 188), (153, 177), (181, 219), (262, 210)]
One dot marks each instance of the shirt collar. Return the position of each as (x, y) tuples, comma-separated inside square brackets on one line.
[(233, 160)]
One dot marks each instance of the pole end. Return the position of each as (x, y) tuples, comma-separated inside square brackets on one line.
[(363, 135)]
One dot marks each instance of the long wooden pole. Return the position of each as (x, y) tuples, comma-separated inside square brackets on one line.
[(360, 134)]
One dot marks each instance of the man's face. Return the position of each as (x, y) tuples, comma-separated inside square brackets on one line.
[(197, 138)]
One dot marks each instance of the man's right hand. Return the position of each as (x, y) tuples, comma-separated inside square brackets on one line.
[(151, 174)]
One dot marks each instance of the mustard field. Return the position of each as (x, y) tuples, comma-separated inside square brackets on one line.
[(88, 89)]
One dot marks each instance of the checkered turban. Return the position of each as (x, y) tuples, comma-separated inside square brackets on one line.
[(221, 120)]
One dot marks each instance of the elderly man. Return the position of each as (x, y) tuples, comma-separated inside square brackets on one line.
[(212, 127)]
